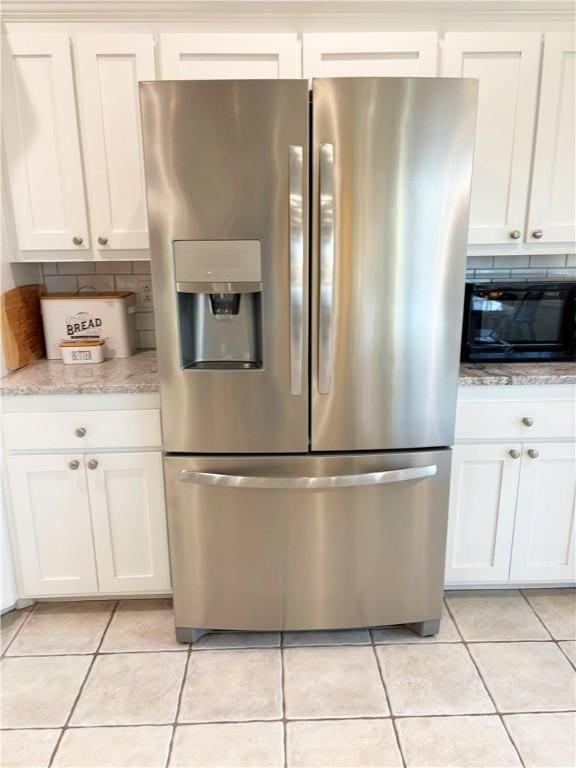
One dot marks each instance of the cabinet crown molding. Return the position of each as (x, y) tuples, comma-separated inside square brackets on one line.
[(231, 11)]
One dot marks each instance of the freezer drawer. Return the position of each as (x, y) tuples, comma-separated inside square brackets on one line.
[(307, 542)]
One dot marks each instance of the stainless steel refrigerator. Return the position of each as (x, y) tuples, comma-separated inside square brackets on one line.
[(308, 256)]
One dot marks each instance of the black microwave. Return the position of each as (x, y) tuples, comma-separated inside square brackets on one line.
[(519, 321)]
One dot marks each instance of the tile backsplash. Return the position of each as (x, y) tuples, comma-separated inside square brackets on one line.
[(109, 276), (135, 276)]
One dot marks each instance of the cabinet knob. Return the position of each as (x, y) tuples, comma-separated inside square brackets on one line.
[(74, 464), (92, 464), (537, 234), (533, 453), (77, 240), (527, 421), (514, 453), (81, 432), (516, 234), (102, 240)]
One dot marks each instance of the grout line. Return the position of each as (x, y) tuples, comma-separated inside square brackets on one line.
[(25, 621), (388, 702), (479, 673), (332, 718), (179, 703), (552, 638), (86, 676), (283, 692)]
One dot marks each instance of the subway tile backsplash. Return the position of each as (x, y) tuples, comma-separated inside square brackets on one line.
[(135, 276), (109, 276)]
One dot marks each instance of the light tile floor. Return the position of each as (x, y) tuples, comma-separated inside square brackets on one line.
[(104, 683)]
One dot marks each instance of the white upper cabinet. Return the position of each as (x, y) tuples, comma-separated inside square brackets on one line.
[(370, 54), (545, 531), (552, 215), (109, 68), (42, 144), (507, 67), (208, 56)]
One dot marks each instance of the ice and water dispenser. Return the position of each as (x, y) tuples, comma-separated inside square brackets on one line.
[(219, 288)]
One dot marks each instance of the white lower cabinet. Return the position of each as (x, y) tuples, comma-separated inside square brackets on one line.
[(51, 517), (512, 516), (129, 521), (89, 524), (481, 518), (545, 533)]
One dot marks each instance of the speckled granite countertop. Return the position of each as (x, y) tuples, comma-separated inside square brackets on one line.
[(139, 373)]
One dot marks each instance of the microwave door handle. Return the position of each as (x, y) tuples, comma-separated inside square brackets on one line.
[(308, 483), (326, 303), (296, 228)]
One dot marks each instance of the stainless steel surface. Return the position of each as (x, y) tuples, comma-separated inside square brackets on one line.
[(218, 261), (77, 240), (74, 464), (326, 290), (527, 421), (92, 464), (218, 287), (402, 168), (537, 234), (516, 234), (218, 168), (308, 483), (265, 559), (296, 213), (81, 432), (102, 240), (533, 453), (514, 453)]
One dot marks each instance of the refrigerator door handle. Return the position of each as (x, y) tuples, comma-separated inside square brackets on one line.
[(296, 217), (325, 321), (308, 483)]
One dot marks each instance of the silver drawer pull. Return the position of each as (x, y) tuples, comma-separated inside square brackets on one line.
[(307, 483), (81, 432), (74, 464), (92, 464), (527, 421)]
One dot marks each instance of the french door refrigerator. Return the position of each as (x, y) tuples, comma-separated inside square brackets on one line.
[(308, 256)]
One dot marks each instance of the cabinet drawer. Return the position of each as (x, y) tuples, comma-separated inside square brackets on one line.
[(480, 419), (64, 431)]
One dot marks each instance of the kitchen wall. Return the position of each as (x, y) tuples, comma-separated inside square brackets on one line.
[(135, 276), (109, 276)]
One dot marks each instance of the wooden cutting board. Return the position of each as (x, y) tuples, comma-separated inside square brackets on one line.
[(21, 325)]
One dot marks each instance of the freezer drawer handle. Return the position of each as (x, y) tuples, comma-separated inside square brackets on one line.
[(296, 270), (325, 321), (308, 483)]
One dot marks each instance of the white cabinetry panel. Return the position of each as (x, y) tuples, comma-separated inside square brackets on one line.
[(42, 144), (544, 537), (51, 518), (553, 197), (507, 67), (370, 54), (481, 518), (209, 56), (109, 69), (129, 521)]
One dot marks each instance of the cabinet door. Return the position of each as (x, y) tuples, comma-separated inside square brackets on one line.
[(129, 521), (545, 533), (481, 517), (506, 66), (207, 56), (51, 517), (552, 197), (362, 54), (43, 150), (109, 68)]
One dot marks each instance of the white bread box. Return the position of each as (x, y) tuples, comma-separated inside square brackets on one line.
[(96, 315)]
